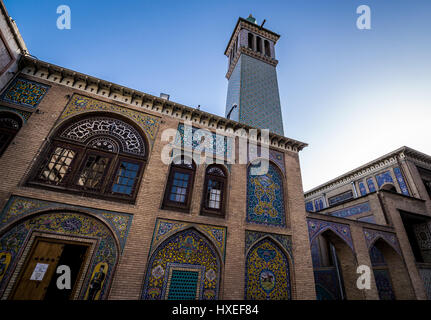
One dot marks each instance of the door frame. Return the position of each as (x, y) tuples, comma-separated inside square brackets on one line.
[(66, 239)]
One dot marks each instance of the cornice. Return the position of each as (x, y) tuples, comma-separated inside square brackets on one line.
[(403, 153), (244, 24), (138, 99), (253, 54)]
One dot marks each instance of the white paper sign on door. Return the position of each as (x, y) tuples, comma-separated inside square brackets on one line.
[(39, 271)]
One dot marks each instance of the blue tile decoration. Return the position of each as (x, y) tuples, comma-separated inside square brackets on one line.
[(340, 198), (253, 86), (251, 237), (369, 219), (383, 283), (24, 115), (20, 207), (351, 211), (25, 93), (327, 285), (80, 104), (188, 251), (401, 182), (318, 204), (106, 251), (267, 272), (316, 227), (222, 146), (165, 228), (362, 188), (376, 257), (383, 178), (370, 184), (275, 156), (265, 197), (372, 235), (309, 206)]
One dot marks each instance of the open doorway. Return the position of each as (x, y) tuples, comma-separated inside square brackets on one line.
[(38, 278)]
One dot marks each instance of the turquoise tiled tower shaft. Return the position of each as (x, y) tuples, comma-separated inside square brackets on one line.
[(252, 75)]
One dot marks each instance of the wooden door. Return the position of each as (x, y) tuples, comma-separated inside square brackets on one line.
[(38, 270)]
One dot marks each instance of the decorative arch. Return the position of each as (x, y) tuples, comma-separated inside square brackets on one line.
[(266, 196), (94, 154), (16, 238), (316, 227), (214, 197), (267, 272), (184, 266), (389, 186), (80, 105)]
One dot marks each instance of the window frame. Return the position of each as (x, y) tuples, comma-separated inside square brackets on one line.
[(10, 132), (82, 152), (205, 209), (173, 205)]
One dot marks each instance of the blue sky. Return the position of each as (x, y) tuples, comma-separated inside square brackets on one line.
[(352, 95)]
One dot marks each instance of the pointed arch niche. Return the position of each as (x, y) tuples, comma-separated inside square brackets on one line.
[(334, 261), (186, 262)]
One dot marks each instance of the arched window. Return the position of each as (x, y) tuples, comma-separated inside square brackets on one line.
[(214, 198), (9, 127), (259, 44), (250, 40), (94, 156), (180, 185), (267, 48)]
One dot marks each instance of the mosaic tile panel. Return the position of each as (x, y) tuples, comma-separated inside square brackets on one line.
[(319, 204), (265, 198), (20, 207), (340, 198), (259, 97), (275, 156), (309, 206), (383, 178), (383, 283), (362, 188), (401, 182), (267, 273), (369, 219), (376, 257), (316, 227), (186, 250), (285, 241), (327, 285), (24, 115), (371, 236), (25, 93), (166, 228), (80, 104), (73, 224), (370, 184), (351, 211), (222, 146)]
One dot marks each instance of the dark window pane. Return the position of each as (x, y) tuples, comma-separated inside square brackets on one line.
[(58, 165), (92, 174), (125, 179), (179, 187)]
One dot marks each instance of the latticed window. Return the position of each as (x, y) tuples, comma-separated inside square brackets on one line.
[(9, 127), (180, 184), (214, 190), (94, 156)]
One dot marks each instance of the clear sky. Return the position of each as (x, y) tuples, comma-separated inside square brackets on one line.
[(352, 95)]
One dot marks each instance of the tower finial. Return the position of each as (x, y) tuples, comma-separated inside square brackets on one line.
[(251, 19)]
